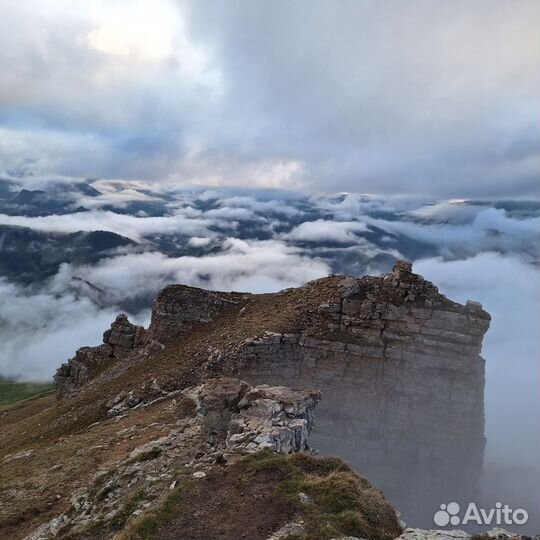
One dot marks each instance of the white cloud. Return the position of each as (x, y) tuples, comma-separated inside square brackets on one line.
[(453, 210), (132, 227), (142, 29), (253, 266), (274, 206), (40, 331), (118, 193), (327, 231), (199, 241), (199, 91), (227, 213), (491, 229)]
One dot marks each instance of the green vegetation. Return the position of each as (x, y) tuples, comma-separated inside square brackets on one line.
[(336, 501), (13, 391), (142, 527), (130, 506)]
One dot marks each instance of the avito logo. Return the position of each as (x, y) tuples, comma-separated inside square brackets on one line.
[(502, 514)]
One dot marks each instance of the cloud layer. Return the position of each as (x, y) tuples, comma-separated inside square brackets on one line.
[(422, 98), (509, 290)]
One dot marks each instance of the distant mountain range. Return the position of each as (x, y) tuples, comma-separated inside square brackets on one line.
[(29, 256), (84, 223)]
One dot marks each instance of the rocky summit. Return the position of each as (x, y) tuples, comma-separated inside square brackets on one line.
[(197, 427)]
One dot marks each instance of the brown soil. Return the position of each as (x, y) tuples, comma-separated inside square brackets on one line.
[(253, 498), (230, 505)]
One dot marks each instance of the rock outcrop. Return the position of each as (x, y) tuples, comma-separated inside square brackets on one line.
[(178, 308), (124, 335), (232, 419), (237, 416), (88, 362), (400, 368), (398, 363)]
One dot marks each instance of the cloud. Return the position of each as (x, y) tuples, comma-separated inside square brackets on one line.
[(198, 241), (279, 205), (446, 211), (509, 289), (342, 232), (119, 194), (40, 331), (132, 227), (139, 31), (426, 99), (490, 229), (253, 266), (240, 214), (453, 122)]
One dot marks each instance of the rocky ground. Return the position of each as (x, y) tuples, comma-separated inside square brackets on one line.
[(224, 450)]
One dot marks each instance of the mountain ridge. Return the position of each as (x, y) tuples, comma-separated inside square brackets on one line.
[(376, 336)]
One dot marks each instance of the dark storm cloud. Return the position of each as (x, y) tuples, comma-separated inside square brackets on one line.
[(437, 99)]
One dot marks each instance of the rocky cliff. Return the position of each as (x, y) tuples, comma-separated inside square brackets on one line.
[(197, 427), (398, 363)]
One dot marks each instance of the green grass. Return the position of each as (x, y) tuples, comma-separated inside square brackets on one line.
[(147, 523), (341, 502), (13, 391)]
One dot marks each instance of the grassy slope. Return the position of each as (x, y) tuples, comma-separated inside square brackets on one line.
[(12, 391), (264, 489)]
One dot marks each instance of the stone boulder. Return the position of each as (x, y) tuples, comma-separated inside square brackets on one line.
[(123, 334), (456, 534), (84, 366), (240, 417)]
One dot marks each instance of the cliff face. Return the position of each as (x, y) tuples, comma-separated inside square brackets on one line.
[(398, 363), (403, 385)]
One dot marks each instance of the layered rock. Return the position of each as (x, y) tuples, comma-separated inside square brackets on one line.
[(88, 362), (399, 365), (124, 335), (256, 418), (403, 381), (178, 308)]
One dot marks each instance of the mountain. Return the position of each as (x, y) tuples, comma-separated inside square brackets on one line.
[(197, 427), (55, 198), (30, 256)]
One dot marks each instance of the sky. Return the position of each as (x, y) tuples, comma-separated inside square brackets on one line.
[(438, 99)]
